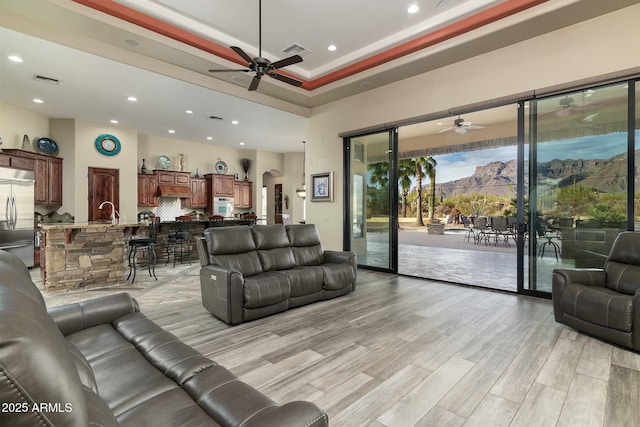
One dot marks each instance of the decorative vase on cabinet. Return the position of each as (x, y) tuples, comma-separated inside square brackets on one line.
[(143, 169), (26, 143)]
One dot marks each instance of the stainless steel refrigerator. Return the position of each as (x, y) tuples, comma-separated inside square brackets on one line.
[(16, 207)]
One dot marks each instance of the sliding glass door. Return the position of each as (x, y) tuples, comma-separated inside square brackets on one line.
[(371, 214), (579, 169)]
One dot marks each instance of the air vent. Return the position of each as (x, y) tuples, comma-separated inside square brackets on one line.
[(296, 49), (215, 118), (45, 79)]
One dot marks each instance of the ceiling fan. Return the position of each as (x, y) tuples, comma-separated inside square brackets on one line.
[(262, 66), (461, 126)]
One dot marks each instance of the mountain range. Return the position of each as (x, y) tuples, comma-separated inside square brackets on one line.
[(499, 178)]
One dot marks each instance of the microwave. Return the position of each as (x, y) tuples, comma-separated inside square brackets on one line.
[(223, 206)]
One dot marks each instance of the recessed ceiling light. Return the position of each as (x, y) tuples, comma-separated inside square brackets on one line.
[(171, 131), (131, 42), (241, 143), (209, 138), (332, 48), (188, 111), (15, 58), (114, 121), (132, 98), (38, 101), (234, 122), (413, 8)]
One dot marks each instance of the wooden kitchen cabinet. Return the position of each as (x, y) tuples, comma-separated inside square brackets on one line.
[(220, 185), (173, 178), (198, 193), (147, 189), (243, 194), (48, 175)]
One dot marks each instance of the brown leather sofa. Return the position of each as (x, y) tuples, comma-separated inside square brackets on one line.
[(103, 363), (253, 272), (603, 302)]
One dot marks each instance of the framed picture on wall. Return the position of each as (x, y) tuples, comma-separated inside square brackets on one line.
[(322, 187)]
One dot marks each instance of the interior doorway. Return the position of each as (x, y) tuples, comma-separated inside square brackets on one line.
[(104, 185)]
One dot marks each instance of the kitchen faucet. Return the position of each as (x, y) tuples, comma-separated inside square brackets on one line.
[(113, 211)]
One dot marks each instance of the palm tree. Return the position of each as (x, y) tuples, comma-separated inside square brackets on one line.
[(430, 169), (379, 173), (425, 166), (406, 169)]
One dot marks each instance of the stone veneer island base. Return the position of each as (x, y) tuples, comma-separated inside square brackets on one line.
[(84, 255)]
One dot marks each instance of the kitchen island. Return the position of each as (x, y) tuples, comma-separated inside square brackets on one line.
[(85, 255)]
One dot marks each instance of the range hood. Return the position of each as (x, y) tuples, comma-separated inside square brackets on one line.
[(179, 191)]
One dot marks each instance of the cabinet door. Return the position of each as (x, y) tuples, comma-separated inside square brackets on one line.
[(41, 188), (182, 178), (143, 190), (228, 181), (237, 194), (202, 193), (247, 194), (218, 186), (55, 181), (152, 190), (165, 178)]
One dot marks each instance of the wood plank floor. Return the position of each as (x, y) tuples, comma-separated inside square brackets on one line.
[(409, 352)]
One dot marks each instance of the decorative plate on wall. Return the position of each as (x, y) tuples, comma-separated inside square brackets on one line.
[(221, 167), (47, 146), (108, 145), (164, 162)]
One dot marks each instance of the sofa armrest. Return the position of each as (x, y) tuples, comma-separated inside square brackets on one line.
[(298, 413), (561, 277), (339, 257), (72, 318), (201, 247), (223, 293)]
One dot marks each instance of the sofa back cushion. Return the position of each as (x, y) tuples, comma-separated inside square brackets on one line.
[(274, 249), (16, 276), (36, 366), (623, 264), (305, 244), (233, 248)]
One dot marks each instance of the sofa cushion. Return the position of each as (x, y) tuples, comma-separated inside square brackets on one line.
[(304, 280), (35, 364), (16, 275), (623, 264), (233, 248), (265, 289), (305, 244), (600, 306), (82, 366), (337, 276), (274, 249)]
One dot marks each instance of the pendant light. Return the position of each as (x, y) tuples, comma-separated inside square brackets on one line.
[(302, 190)]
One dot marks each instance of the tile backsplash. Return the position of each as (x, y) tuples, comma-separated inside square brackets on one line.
[(169, 208)]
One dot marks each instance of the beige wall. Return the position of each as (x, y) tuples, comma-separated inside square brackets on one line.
[(16, 122), (588, 49)]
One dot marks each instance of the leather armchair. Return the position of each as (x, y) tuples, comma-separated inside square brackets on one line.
[(603, 302)]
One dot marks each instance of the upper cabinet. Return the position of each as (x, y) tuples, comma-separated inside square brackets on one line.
[(48, 175), (220, 185), (243, 194), (198, 193), (173, 178), (147, 189)]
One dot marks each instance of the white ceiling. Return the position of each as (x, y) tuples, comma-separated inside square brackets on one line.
[(92, 55)]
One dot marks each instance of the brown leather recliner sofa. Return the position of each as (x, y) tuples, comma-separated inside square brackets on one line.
[(103, 363), (253, 272), (603, 302)]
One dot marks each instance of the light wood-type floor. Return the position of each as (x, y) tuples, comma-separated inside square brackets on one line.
[(409, 352)]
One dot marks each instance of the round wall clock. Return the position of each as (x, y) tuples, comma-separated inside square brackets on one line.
[(108, 145), (221, 167)]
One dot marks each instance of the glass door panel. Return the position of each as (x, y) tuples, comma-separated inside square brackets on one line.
[(372, 233), (578, 169)]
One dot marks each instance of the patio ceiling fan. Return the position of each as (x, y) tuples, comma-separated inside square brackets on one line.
[(461, 126), (262, 66)]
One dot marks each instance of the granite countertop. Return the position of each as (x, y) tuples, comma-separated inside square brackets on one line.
[(91, 224)]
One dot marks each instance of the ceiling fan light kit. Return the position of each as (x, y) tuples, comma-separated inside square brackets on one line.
[(461, 126), (262, 66)]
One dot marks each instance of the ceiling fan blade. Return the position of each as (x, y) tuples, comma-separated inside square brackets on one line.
[(294, 82), (226, 71), (254, 83), (475, 127), (243, 54), (444, 130), (461, 130), (287, 61)]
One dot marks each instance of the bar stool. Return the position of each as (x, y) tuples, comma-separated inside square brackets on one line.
[(178, 242), (216, 220), (147, 243)]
